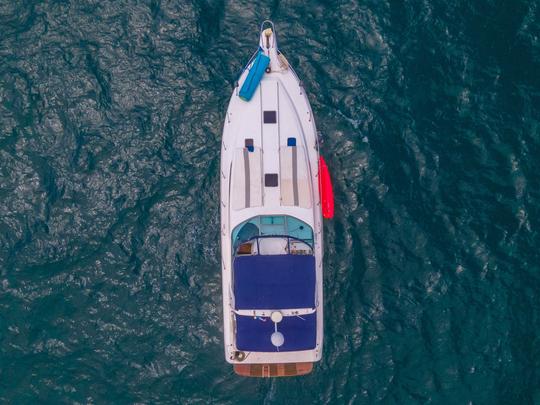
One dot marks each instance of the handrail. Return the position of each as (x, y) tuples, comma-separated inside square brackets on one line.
[(273, 31), (277, 236), (247, 64)]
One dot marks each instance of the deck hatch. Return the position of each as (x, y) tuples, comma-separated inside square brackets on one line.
[(269, 117), (271, 180)]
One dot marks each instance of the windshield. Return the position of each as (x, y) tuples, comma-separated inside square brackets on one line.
[(267, 225)]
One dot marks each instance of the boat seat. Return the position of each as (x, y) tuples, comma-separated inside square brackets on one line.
[(246, 178), (244, 248), (294, 174)]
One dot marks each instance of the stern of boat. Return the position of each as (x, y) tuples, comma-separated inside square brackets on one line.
[(273, 370)]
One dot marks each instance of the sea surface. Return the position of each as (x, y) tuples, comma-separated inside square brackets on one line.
[(110, 129)]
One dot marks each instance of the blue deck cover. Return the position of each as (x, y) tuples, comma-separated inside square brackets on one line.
[(274, 282), (299, 333)]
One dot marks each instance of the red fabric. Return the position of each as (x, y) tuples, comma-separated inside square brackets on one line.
[(325, 189)]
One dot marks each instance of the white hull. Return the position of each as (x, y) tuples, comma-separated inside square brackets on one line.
[(244, 194)]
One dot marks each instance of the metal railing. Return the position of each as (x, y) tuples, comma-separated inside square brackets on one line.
[(289, 238)]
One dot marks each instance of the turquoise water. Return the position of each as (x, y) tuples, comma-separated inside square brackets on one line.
[(110, 123)]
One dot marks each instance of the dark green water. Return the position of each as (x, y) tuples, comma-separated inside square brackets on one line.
[(110, 123)]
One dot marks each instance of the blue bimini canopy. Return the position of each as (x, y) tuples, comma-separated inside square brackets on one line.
[(254, 334), (274, 282)]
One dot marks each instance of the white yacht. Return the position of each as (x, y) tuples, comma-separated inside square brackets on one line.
[(274, 190)]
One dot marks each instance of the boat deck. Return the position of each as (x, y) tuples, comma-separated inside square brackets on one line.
[(270, 161)]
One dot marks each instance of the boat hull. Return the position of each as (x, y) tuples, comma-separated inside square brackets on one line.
[(269, 168)]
